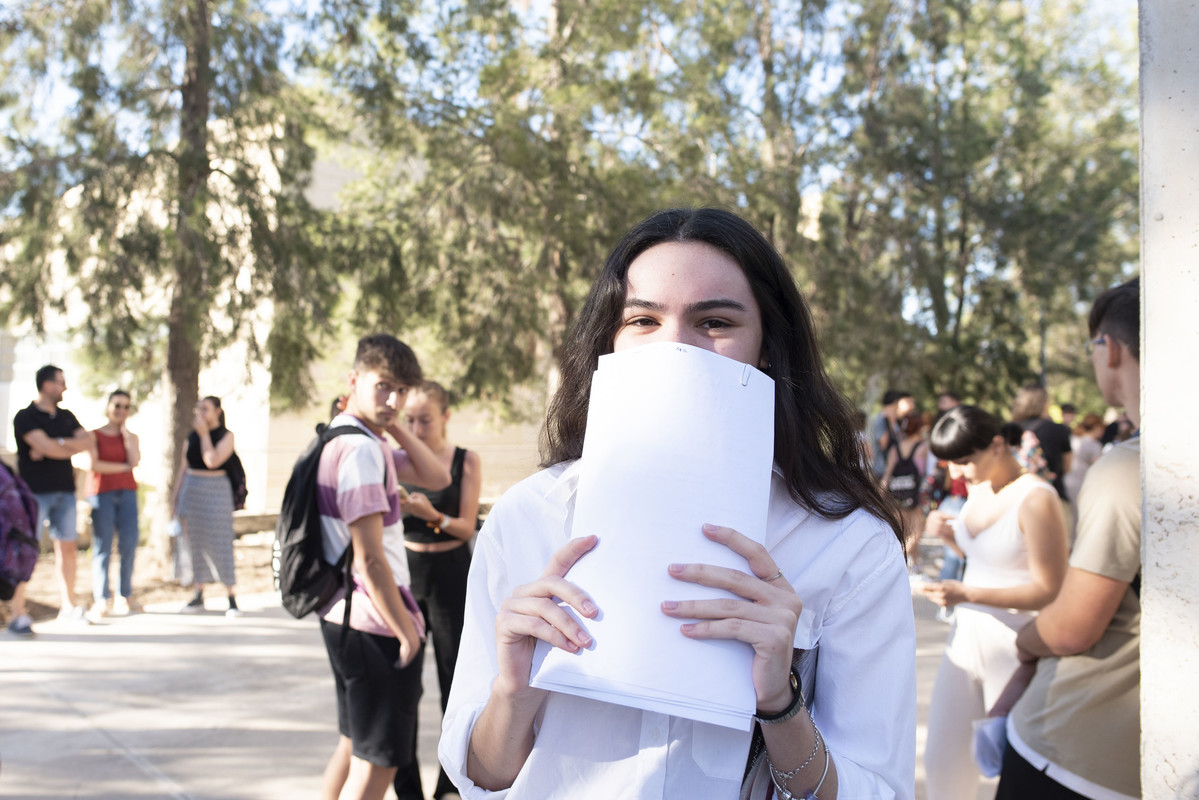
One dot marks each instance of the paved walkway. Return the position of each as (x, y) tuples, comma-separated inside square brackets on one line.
[(163, 705)]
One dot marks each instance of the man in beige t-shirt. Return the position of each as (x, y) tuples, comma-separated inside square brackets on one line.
[(1075, 732)]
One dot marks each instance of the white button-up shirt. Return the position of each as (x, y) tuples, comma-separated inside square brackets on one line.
[(857, 614)]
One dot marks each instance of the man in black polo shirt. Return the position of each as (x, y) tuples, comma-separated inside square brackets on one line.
[(47, 437)]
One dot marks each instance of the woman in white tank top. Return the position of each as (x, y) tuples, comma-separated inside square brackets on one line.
[(1013, 535)]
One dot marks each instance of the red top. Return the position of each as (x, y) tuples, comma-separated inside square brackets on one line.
[(110, 448)]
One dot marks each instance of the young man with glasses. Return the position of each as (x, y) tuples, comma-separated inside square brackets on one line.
[(1075, 730)]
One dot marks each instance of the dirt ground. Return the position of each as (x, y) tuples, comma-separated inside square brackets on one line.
[(152, 582)]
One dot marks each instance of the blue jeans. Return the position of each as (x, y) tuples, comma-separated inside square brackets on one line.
[(116, 509), (57, 508), (954, 566)]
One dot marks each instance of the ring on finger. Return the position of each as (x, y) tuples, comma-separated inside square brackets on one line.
[(774, 577)]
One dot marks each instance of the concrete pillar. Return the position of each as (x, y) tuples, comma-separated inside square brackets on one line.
[(1170, 446), (8, 355)]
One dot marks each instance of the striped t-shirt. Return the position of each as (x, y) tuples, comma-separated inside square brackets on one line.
[(356, 478)]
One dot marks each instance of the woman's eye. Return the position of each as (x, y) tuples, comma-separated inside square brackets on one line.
[(714, 323), (640, 322)]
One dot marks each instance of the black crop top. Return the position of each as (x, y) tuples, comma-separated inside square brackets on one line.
[(447, 501), (195, 458)]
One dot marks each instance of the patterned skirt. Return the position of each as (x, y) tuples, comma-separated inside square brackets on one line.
[(206, 511)]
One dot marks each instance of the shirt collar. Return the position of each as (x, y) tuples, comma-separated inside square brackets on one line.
[(563, 488)]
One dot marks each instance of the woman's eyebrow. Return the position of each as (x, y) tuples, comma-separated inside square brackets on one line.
[(648, 305), (714, 305), (692, 308)]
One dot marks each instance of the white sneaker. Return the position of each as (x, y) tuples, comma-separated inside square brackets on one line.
[(123, 606), (74, 614), (233, 612)]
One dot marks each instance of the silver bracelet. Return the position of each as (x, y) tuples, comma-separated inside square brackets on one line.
[(812, 794), (782, 780), (778, 773)]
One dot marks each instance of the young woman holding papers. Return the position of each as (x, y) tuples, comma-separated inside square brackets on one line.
[(824, 604)]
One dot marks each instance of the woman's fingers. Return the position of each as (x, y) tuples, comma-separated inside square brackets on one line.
[(933, 591), (764, 613), (768, 638), (536, 609), (776, 591), (541, 618), (565, 556), (726, 607), (760, 562)]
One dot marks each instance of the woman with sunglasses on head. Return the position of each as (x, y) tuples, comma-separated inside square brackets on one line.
[(1012, 533), (112, 494), (830, 584)]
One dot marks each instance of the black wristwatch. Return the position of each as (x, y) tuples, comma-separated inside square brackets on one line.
[(792, 709)]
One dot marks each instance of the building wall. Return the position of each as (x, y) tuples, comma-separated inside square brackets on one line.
[(1170, 340)]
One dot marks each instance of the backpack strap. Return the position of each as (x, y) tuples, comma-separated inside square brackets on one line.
[(347, 556)]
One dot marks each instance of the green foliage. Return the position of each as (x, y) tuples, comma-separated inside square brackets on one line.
[(989, 186), (167, 201), (952, 183)]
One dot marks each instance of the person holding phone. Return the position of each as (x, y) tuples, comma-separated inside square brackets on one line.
[(828, 591), (1012, 533), (438, 526)]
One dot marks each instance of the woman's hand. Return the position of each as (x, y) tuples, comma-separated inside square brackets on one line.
[(199, 424), (939, 525), (765, 618), (408, 651), (533, 612), (418, 504), (945, 593)]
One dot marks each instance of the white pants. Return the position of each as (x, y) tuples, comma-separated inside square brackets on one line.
[(979, 659)]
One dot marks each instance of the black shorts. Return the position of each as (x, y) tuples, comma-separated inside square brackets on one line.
[(376, 700)]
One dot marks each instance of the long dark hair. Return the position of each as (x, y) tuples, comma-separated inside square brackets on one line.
[(815, 441)]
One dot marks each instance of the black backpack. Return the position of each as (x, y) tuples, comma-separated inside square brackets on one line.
[(306, 580), (905, 478)]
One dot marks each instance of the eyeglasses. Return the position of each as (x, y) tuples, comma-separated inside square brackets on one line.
[(1096, 342)]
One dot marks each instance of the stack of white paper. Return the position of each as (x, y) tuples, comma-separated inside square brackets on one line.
[(676, 436)]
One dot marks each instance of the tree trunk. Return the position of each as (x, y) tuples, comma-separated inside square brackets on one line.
[(185, 325)]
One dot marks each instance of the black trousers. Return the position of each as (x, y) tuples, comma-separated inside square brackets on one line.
[(439, 586), (1020, 780)]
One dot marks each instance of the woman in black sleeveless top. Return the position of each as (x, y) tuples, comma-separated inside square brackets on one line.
[(203, 502), (437, 527)]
